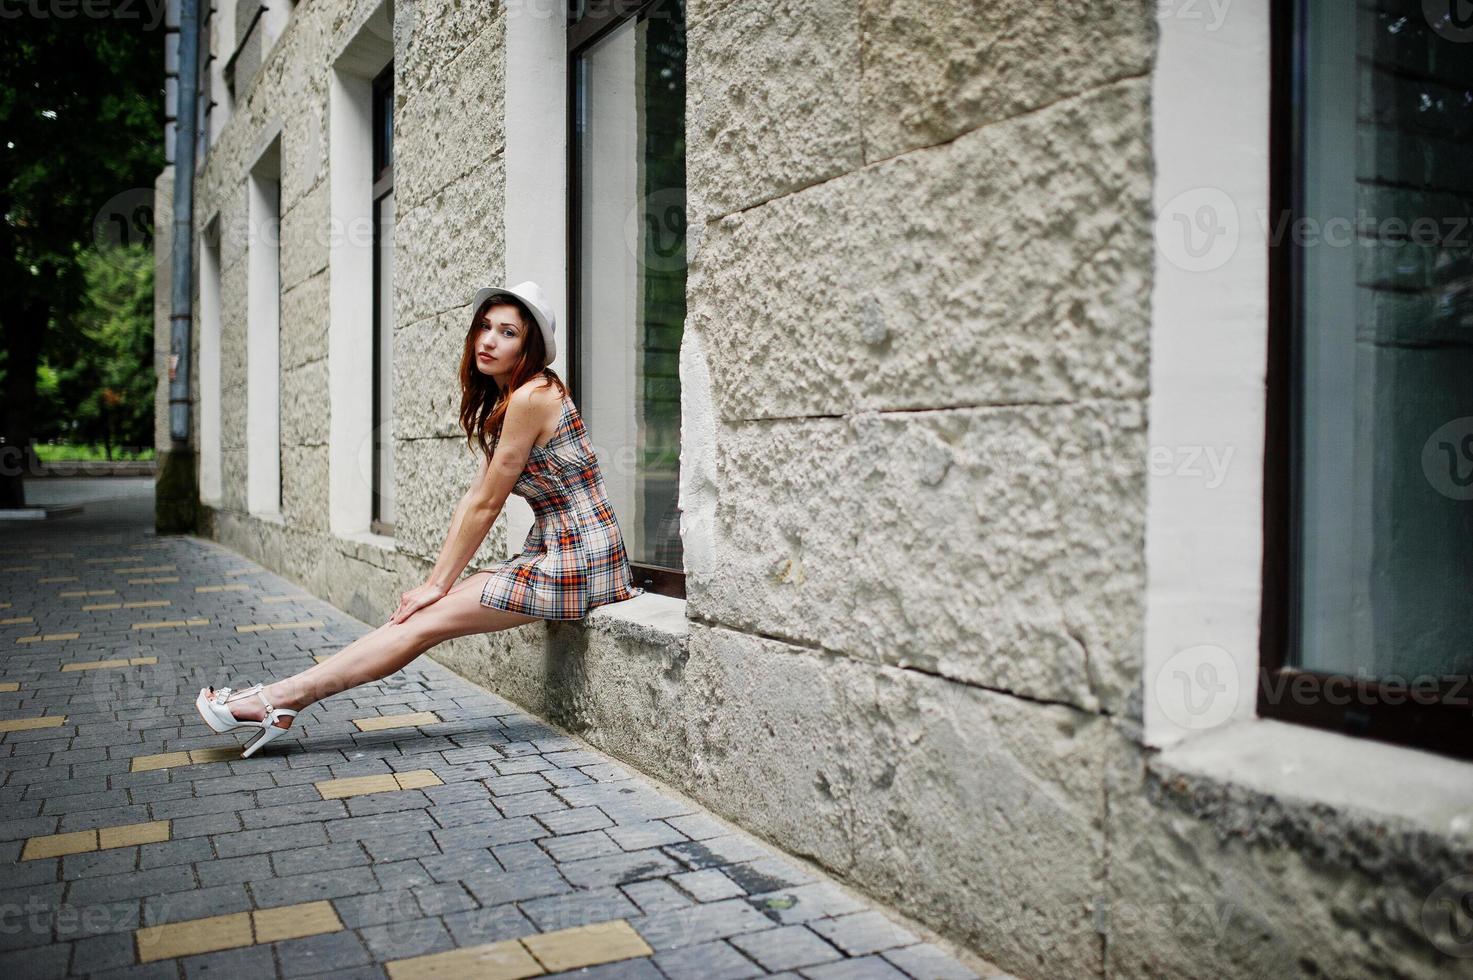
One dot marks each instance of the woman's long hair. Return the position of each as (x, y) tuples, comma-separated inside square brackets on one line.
[(482, 401)]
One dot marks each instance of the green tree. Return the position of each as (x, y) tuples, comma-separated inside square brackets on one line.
[(81, 123)]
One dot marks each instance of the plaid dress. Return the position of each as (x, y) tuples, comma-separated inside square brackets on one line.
[(574, 557)]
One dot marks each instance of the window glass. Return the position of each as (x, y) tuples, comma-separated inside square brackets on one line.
[(630, 269), (1382, 409)]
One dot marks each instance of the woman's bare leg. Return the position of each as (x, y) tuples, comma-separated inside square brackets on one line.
[(385, 650)]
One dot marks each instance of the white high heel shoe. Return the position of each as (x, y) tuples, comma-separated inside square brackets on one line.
[(218, 716)]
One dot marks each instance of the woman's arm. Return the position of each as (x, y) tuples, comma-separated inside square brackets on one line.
[(483, 502)]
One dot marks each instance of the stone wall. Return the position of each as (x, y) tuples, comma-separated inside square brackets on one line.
[(914, 509)]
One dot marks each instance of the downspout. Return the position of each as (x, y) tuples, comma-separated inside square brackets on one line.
[(181, 275)]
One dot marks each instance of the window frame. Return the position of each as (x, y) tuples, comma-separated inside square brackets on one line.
[(382, 171), (1433, 717), (586, 27)]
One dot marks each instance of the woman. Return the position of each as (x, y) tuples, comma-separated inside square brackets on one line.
[(573, 558)]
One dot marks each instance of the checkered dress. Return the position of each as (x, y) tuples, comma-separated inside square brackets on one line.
[(574, 557)]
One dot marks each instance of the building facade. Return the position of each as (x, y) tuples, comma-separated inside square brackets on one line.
[(994, 457)]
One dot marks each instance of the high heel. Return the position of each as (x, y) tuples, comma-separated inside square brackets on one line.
[(218, 716)]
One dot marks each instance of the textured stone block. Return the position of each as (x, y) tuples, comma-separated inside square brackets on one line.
[(1010, 265), (933, 72), (448, 244), (1001, 547), (774, 100), (452, 125)]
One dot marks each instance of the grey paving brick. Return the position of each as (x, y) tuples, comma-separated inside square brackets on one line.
[(105, 952), (402, 874), (74, 921), (469, 813), (379, 824), (325, 858), (864, 968), (271, 839), (220, 899), (376, 908), (111, 817), (395, 847), (863, 932), (40, 963), (520, 855), (656, 895), (313, 887), (516, 785), (648, 833), (925, 961), (245, 961), (698, 924), (786, 948), (576, 908), (567, 777), (135, 884), (411, 937), (210, 824), (459, 863), (615, 869), (717, 960), (371, 803), (91, 864), (707, 885), (314, 954), (804, 903), (638, 968), (494, 888), (571, 847), (187, 850), (699, 826), (492, 834), (575, 820), (488, 925), (293, 813), (716, 851)]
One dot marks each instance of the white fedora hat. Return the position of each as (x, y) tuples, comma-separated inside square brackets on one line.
[(532, 296)]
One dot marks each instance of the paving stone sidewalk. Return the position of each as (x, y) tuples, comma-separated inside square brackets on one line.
[(417, 826)]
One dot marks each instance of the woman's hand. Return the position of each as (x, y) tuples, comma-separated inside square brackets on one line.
[(416, 599)]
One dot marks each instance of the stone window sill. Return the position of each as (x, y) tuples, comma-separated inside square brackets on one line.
[(1304, 772), (657, 620), (376, 549)]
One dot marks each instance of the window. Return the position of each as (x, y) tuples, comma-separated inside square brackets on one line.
[(264, 489), (382, 521), (1369, 509), (210, 464), (627, 264)]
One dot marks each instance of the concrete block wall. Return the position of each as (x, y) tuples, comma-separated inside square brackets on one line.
[(915, 375)]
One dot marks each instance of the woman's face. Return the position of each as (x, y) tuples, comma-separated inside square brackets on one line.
[(500, 335)]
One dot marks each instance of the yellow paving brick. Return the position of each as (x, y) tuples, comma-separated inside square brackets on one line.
[(143, 763), (128, 834), (76, 595), (417, 779), (55, 845), (240, 571), (253, 628), (21, 568), (336, 789), (320, 657), (120, 662), (146, 604), (217, 754), (102, 605), (107, 561), (258, 627), (57, 578), (222, 588), (170, 623), (193, 936), (26, 724), (603, 942), (295, 921), (6, 605), (8, 686), (285, 598), (153, 581), (47, 637), (396, 721), (505, 960), (16, 619), (143, 570)]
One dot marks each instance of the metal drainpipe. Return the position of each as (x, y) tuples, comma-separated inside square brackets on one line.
[(182, 266)]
